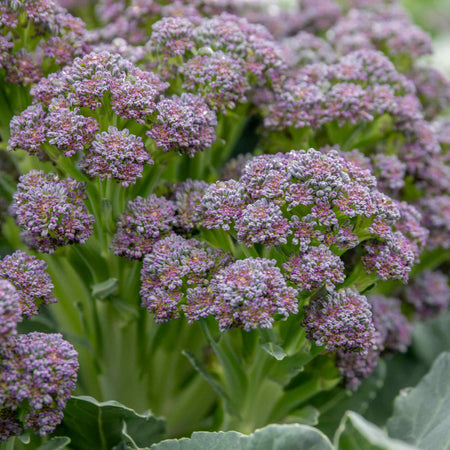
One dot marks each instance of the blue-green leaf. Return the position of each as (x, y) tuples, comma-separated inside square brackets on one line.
[(274, 350), (356, 433), (273, 437), (422, 414), (56, 443), (93, 425), (105, 288)]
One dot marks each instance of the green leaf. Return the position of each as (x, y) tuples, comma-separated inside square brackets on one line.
[(421, 415), (100, 426), (290, 366), (105, 288), (431, 338), (356, 433), (57, 443), (273, 437), (333, 405), (274, 350), (215, 385), (308, 415)]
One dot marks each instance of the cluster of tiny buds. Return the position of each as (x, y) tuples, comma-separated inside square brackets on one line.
[(58, 117), (310, 199), (58, 38), (51, 211), (224, 59), (38, 372), (340, 321), (28, 276)]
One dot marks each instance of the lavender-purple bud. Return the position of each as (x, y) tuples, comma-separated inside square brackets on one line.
[(187, 197), (38, 372), (144, 221), (184, 124), (314, 268), (51, 211), (428, 293), (262, 222), (28, 275), (393, 328), (340, 321), (118, 155), (251, 293), (171, 36), (10, 310)]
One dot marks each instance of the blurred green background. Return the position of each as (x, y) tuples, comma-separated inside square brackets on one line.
[(434, 16)]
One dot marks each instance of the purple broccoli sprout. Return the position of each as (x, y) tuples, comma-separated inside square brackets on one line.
[(340, 321), (251, 293), (393, 328), (141, 225), (10, 310), (38, 372), (28, 275), (184, 124), (117, 155), (51, 211), (177, 265), (428, 294)]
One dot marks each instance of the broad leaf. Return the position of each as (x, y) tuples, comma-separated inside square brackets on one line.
[(421, 415), (273, 437), (91, 424), (431, 338), (356, 433), (274, 350), (56, 443), (105, 288), (333, 405), (215, 385)]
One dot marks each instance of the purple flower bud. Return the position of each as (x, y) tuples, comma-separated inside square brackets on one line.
[(296, 106), (10, 310), (433, 89), (340, 321), (56, 35), (174, 265), (118, 155), (218, 78), (262, 222), (251, 293), (347, 103), (69, 131), (436, 217), (185, 124), (28, 275), (390, 172), (223, 203), (354, 366), (318, 15), (305, 48), (428, 293), (38, 372), (409, 225), (171, 36), (394, 35), (9, 424), (393, 328), (315, 268), (28, 131), (187, 197), (51, 211), (392, 259), (370, 67), (143, 222)]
